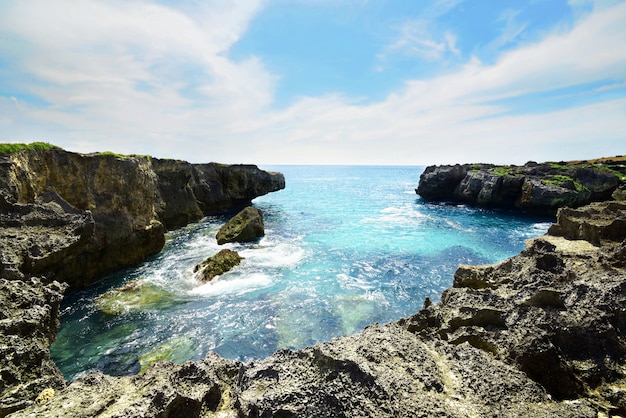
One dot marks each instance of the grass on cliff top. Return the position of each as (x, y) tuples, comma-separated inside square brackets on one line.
[(11, 148)]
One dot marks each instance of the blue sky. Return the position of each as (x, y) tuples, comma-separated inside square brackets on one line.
[(317, 81)]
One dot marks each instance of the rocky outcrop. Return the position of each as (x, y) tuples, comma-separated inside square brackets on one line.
[(74, 218), (541, 334), (217, 264), (557, 311), (245, 226), (125, 205), (29, 322), (190, 191), (535, 188)]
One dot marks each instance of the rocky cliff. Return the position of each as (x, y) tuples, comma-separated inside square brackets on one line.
[(113, 210), (541, 334), (536, 188)]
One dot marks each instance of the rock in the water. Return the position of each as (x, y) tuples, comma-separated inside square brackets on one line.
[(217, 264), (135, 295), (247, 225)]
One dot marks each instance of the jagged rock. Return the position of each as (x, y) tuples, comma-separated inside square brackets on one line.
[(384, 371), (556, 311), (245, 226), (29, 321), (127, 201), (536, 188), (593, 223), (190, 191), (217, 264)]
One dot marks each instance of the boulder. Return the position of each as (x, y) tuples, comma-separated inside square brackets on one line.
[(217, 264), (245, 226)]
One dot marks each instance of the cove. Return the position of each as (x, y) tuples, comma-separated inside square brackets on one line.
[(344, 247)]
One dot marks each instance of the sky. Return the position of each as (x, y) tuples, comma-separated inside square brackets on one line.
[(380, 82)]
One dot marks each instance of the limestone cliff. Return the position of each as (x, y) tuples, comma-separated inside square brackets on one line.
[(542, 334), (127, 204), (535, 188)]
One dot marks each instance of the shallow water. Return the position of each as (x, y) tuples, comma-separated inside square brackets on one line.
[(344, 247)]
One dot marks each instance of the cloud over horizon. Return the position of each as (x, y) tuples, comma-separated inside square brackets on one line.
[(234, 82)]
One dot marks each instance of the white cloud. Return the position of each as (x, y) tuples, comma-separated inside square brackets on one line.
[(135, 77)]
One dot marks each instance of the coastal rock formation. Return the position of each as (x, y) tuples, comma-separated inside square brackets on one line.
[(245, 226), (217, 264), (190, 191), (557, 311), (29, 322), (541, 334), (535, 188), (125, 203)]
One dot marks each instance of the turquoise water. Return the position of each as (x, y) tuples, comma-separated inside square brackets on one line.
[(344, 247)]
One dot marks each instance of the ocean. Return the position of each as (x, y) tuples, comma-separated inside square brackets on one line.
[(344, 247)]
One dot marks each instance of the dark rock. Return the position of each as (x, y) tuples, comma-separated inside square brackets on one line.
[(534, 188), (126, 202), (29, 321), (247, 225), (217, 264)]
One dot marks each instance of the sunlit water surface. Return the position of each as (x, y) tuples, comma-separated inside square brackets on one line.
[(344, 247)]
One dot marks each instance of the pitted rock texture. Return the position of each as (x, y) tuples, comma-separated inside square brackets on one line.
[(535, 188), (557, 311), (29, 321)]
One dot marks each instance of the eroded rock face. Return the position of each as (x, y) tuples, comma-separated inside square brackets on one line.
[(245, 226), (556, 311), (190, 191), (128, 201), (535, 188), (217, 264), (29, 321)]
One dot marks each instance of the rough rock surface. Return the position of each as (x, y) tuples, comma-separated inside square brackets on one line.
[(217, 264), (535, 188), (245, 226), (126, 204), (29, 321), (540, 334), (191, 191)]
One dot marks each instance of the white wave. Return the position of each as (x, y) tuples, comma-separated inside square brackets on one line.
[(233, 285), (270, 254)]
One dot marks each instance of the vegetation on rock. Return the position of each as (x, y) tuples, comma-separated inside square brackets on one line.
[(9, 148)]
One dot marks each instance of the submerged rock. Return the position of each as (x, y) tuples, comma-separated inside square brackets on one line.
[(217, 264), (177, 350), (245, 226), (135, 295)]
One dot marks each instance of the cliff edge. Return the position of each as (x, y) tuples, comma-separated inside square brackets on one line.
[(534, 188), (75, 218)]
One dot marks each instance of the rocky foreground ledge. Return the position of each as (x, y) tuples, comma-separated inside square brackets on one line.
[(535, 188), (541, 334)]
